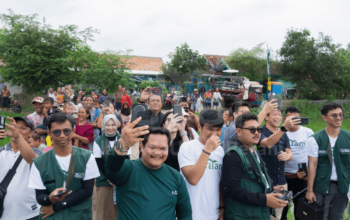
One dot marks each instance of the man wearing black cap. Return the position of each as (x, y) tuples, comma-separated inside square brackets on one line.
[(20, 201)]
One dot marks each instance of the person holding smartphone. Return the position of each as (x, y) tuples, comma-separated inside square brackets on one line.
[(296, 181), (50, 174)]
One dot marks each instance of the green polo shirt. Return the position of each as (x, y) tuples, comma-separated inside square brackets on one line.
[(145, 193)]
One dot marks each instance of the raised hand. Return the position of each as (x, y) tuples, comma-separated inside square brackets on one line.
[(290, 124), (182, 126), (270, 106), (131, 135), (212, 143), (144, 95), (173, 122), (12, 131)]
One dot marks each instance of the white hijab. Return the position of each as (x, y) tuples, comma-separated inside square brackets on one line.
[(105, 120)]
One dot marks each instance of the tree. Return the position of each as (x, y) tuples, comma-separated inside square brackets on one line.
[(298, 58), (105, 69), (38, 56), (145, 84), (184, 63), (253, 63)]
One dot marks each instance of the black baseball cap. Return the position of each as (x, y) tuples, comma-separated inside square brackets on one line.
[(26, 120)]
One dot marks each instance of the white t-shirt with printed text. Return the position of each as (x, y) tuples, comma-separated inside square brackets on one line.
[(205, 195), (91, 171), (312, 151), (297, 142)]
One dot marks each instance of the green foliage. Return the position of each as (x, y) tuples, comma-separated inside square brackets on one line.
[(145, 84), (36, 55), (251, 62), (184, 63)]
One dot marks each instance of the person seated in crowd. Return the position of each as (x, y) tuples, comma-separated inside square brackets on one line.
[(154, 114), (84, 132), (68, 108), (16, 107), (329, 162), (192, 119), (106, 208), (179, 133), (147, 188), (37, 117), (64, 168), (245, 184), (35, 141), (48, 110), (200, 161), (125, 113), (19, 201)]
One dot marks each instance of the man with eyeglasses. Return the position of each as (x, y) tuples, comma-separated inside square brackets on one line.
[(239, 108), (245, 184), (65, 168), (329, 164)]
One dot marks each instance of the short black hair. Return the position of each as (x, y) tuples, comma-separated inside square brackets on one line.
[(240, 120), (49, 99), (291, 109), (89, 96), (278, 108), (98, 101), (235, 106), (36, 137), (110, 99), (211, 117), (330, 106), (156, 130), (60, 118)]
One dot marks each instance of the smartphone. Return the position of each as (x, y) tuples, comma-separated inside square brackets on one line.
[(272, 96), (155, 91), (61, 193), (178, 110), (106, 103), (304, 121), (302, 168), (137, 111), (2, 123)]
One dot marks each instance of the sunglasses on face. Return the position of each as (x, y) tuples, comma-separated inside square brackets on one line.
[(335, 116), (58, 133), (253, 130)]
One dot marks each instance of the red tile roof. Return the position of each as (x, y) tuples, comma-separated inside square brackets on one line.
[(145, 63), (213, 59)]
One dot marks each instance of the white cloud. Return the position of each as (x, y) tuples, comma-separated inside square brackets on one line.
[(154, 28)]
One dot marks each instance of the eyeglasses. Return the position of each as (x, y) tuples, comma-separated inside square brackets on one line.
[(335, 116), (253, 130), (66, 132), (244, 112)]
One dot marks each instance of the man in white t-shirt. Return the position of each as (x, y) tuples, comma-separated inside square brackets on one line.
[(51, 174), (298, 136), (19, 202), (200, 162), (329, 162)]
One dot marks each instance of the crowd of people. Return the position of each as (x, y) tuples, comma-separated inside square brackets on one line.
[(86, 159)]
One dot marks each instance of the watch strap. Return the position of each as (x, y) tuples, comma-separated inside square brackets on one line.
[(119, 147)]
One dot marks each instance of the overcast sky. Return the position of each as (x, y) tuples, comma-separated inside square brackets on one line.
[(155, 28)]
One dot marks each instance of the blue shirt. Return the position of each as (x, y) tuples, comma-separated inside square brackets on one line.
[(230, 136), (103, 97), (223, 134), (275, 168), (97, 113), (194, 98)]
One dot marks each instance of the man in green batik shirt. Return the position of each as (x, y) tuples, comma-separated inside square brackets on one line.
[(147, 188)]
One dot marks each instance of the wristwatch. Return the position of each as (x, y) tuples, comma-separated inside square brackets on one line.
[(119, 147), (283, 129)]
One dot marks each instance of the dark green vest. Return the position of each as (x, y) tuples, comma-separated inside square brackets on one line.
[(341, 155), (53, 179), (241, 211), (100, 141)]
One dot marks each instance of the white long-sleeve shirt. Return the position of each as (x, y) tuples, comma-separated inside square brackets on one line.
[(217, 95)]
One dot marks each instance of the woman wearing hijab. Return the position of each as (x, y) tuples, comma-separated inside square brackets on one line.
[(125, 114), (106, 207)]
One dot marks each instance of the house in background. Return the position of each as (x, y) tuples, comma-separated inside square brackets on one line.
[(147, 69), (13, 89)]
